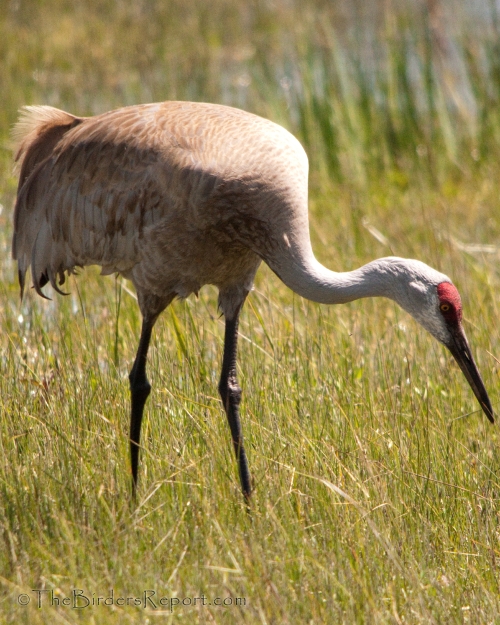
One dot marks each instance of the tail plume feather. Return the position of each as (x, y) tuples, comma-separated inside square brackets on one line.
[(35, 136)]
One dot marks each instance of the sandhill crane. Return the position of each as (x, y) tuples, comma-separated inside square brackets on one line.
[(176, 195)]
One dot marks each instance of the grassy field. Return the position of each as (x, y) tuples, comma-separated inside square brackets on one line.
[(376, 476)]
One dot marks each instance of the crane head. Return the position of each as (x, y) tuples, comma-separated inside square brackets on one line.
[(450, 309), (435, 303)]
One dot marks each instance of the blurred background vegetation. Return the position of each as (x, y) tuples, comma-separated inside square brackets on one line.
[(378, 88)]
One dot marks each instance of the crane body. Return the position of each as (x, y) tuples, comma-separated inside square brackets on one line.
[(177, 195)]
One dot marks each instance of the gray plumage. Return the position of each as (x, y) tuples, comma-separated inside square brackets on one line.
[(176, 195)]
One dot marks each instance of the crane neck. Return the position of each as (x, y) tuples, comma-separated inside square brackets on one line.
[(310, 279)]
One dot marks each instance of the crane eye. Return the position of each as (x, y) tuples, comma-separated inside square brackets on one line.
[(444, 307)]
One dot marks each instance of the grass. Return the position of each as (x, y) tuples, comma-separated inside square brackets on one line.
[(376, 477)]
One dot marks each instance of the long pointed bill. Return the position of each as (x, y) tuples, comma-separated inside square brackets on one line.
[(459, 347)]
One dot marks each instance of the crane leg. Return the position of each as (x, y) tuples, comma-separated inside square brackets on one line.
[(230, 393), (139, 389)]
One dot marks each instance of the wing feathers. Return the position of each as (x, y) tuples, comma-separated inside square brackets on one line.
[(41, 248), (85, 194)]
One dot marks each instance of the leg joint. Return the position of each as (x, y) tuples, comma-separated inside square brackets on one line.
[(139, 386), (230, 391)]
